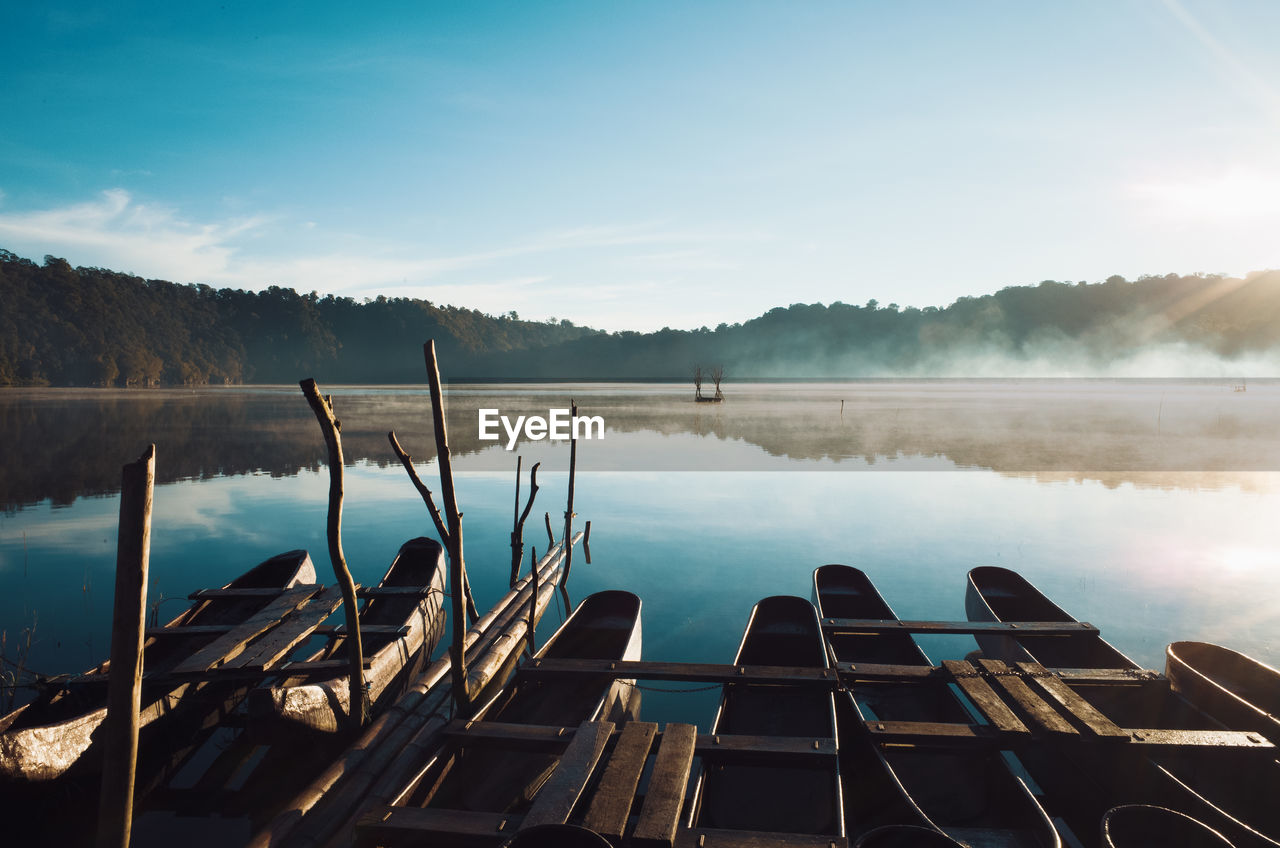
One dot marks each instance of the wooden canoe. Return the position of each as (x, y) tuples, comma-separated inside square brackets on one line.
[(783, 631), (1213, 786), (605, 626), (54, 735), (1236, 689), (971, 796), (999, 594), (409, 627)]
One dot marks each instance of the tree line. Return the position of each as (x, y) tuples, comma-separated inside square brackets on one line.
[(94, 327)]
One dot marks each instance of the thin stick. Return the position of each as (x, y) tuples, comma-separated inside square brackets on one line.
[(457, 567), (128, 625), (533, 599), (573, 467), (331, 428), (407, 461), (517, 531), (551, 537), (586, 543)]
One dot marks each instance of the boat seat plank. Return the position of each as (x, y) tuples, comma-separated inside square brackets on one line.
[(395, 591), (705, 837), (365, 630), (611, 804), (556, 799), (975, 628), (852, 672), (689, 672), (1077, 707), (1033, 707), (664, 799), (230, 645), (397, 824), (214, 594), (295, 629), (1233, 739), (984, 697), (944, 734), (191, 630)]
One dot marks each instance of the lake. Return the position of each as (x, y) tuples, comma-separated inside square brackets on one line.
[(1145, 507)]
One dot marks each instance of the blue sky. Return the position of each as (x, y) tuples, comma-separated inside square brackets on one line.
[(635, 165)]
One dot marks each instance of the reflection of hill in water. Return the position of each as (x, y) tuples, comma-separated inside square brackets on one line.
[(62, 444)]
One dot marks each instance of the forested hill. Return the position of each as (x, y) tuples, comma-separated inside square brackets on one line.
[(87, 326)]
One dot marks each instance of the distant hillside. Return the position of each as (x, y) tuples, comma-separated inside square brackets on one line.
[(87, 326)]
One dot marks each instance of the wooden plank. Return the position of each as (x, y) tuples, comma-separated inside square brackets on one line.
[(853, 672), (554, 803), (365, 630), (191, 630), (295, 629), (773, 750), (691, 672), (1042, 716), (438, 827), (1077, 707), (230, 645), (704, 837), (1234, 739), (878, 625), (943, 734), (611, 804), (664, 799), (984, 697), (213, 594), (395, 591)]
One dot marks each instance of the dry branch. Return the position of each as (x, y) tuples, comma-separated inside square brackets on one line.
[(517, 528), (331, 428)]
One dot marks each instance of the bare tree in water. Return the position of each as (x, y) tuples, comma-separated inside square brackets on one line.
[(697, 382), (717, 374)]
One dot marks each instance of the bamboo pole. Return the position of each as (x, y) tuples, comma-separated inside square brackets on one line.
[(573, 467), (331, 428), (407, 461), (457, 567), (379, 759), (533, 617), (128, 628), (518, 520)]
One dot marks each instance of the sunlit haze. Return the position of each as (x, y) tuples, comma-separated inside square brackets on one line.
[(630, 166)]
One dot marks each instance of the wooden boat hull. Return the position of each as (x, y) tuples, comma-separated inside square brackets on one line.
[(604, 626), (1236, 689), (322, 703), (782, 630), (970, 796), (55, 734), (999, 594), (1209, 785)]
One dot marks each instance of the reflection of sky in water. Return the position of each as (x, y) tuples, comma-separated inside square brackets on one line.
[(1147, 564)]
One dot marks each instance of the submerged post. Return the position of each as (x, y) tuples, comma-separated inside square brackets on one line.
[(331, 428), (568, 510), (128, 628), (517, 527), (457, 568)]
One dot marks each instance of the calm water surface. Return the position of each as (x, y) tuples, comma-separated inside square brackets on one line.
[(1146, 508)]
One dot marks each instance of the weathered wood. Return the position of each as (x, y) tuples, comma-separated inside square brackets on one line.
[(1084, 713), (984, 697), (573, 472), (934, 733), (1234, 739), (533, 602), (556, 799), (331, 428), (852, 672), (128, 621), (586, 543), (295, 629), (366, 629), (664, 799), (232, 644), (213, 594), (692, 672), (395, 591), (1042, 716), (453, 541), (191, 630), (551, 537), (878, 625), (611, 804)]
